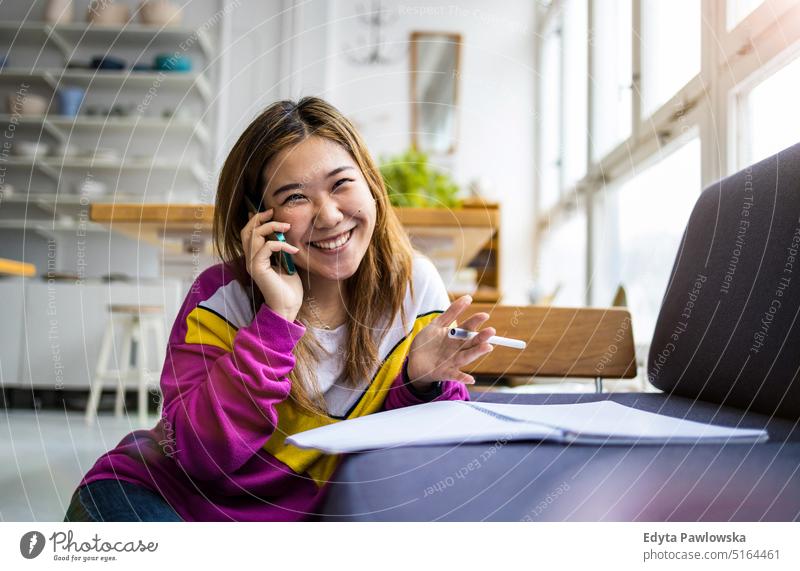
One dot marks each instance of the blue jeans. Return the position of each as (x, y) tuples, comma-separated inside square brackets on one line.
[(116, 500)]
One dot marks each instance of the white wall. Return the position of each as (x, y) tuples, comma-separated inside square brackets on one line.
[(271, 50)]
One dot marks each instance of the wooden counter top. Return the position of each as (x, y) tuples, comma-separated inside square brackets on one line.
[(16, 268), (176, 227)]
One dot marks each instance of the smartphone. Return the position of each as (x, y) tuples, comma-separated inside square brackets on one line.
[(285, 258)]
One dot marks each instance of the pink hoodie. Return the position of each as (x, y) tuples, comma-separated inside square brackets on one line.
[(224, 380)]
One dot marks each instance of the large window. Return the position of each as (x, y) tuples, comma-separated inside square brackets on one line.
[(670, 44), (638, 232), (563, 262), (611, 74), (769, 115), (575, 111), (550, 120), (678, 94)]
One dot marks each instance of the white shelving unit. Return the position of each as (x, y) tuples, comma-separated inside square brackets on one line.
[(177, 167), (159, 124)]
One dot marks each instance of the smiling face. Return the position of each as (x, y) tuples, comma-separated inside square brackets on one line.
[(318, 188)]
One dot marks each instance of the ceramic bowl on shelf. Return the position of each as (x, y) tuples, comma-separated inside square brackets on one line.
[(31, 150), (172, 62), (59, 12), (107, 63), (26, 104), (107, 13), (160, 13)]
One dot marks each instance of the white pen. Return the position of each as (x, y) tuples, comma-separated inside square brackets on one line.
[(458, 333)]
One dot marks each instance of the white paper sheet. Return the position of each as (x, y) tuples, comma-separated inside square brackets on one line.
[(454, 422), (606, 420)]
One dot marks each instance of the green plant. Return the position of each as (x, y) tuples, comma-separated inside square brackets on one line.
[(412, 181)]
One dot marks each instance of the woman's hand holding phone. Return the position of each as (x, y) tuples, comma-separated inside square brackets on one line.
[(283, 293)]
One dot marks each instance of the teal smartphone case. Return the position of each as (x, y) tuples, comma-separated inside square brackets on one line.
[(288, 262), (286, 259)]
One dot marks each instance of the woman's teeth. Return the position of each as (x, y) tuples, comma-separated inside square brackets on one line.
[(333, 244)]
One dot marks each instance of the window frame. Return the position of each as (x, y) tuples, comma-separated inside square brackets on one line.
[(732, 62)]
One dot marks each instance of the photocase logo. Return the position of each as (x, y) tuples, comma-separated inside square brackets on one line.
[(31, 544)]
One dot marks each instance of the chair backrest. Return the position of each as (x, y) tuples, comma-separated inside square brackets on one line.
[(561, 342), (728, 327)]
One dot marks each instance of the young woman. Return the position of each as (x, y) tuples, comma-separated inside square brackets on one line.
[(257, 354)]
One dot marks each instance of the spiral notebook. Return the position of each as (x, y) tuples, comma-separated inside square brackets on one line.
[(453, 422)]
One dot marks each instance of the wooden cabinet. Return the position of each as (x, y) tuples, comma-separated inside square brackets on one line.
[(458, 239)]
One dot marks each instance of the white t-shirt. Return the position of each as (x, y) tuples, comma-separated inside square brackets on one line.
[(430, 295)]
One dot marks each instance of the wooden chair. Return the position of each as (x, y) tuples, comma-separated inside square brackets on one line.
[(561, 342)]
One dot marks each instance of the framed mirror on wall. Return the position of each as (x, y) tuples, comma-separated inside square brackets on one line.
[(435, 61)]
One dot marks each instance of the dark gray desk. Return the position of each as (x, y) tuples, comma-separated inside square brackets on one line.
[(535, 481)]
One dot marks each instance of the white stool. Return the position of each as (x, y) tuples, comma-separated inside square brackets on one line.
[(136, 321)]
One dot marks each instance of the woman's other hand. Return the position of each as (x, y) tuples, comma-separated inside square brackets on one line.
[(434, 356)]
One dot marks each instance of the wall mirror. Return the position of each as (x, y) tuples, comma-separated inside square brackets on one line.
[(435, 60)]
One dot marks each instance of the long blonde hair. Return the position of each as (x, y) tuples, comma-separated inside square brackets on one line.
[(380, 283)]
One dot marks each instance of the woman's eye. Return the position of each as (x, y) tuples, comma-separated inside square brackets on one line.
[(341, 181), (293, 198)]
